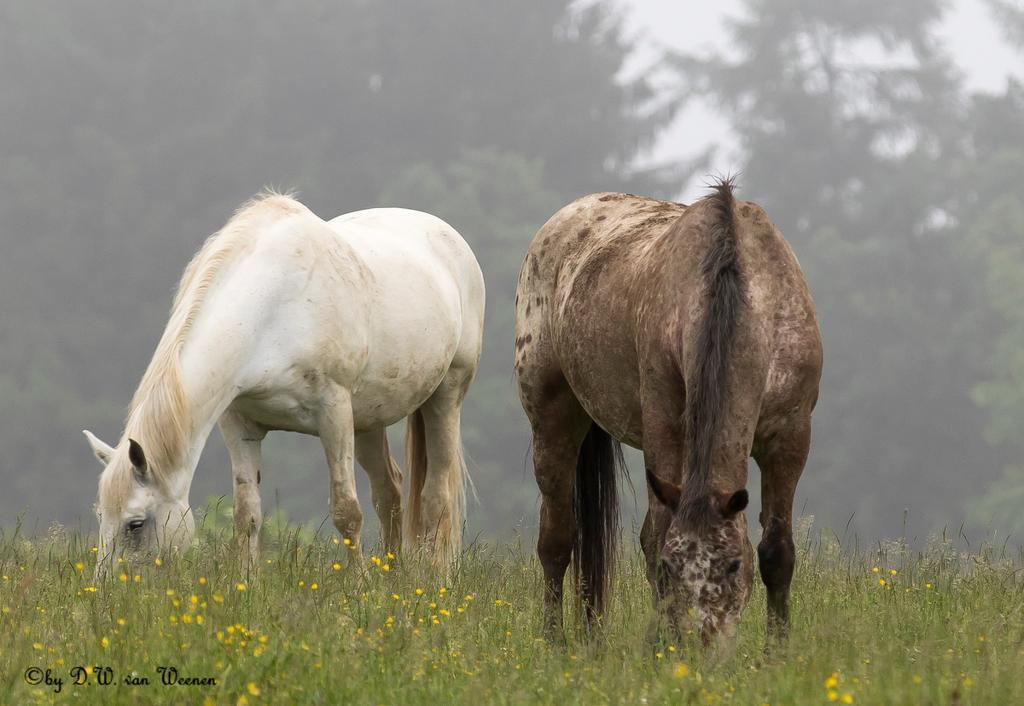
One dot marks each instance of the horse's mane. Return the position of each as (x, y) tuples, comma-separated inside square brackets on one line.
[(158, 417), (708, 396)]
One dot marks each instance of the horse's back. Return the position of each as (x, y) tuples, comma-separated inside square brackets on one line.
[(419, 260), (428, 301)]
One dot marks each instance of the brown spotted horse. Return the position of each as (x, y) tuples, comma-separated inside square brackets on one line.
[(687, 332)]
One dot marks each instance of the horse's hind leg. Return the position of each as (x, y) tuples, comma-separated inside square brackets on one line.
[(385, 482), (559, 427), (337, 437), (781, 463), (243, 441), (441, 498)]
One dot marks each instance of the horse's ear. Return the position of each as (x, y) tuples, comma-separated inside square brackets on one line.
[(667, 492), (101, 451), (732, 505), (138, 459)]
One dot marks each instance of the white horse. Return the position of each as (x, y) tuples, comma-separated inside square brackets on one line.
[(336, 329)]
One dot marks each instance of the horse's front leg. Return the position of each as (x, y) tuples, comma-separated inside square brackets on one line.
[(243, 441), (337, 434)]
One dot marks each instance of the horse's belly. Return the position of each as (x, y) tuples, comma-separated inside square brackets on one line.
[(280, 409), (414, 341), (602, 371), (611, 400), (384, 400)]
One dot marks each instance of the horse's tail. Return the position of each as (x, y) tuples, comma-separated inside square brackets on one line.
[(416, 460), (708, 394), (457, 482), (596, 509)]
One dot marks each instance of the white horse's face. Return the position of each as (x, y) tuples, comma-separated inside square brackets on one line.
[(140, 517)]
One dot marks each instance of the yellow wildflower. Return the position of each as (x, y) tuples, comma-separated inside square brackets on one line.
[(252, 688), (681, 671)]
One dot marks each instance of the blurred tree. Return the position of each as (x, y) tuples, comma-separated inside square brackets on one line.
[(992, 211), (850, 121)]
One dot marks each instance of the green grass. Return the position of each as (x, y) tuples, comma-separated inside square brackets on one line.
[(946, 628)]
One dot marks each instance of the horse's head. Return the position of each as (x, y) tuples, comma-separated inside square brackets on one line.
[(136, 512), (706, 565)]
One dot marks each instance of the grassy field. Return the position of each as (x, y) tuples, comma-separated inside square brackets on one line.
[(888, 626)]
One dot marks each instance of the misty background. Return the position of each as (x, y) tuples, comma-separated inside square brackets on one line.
[(886, 141)]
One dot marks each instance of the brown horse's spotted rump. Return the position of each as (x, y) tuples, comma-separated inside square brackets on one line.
[(689, 333)]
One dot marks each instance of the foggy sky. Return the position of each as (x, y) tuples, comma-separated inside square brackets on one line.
[(968, 31)]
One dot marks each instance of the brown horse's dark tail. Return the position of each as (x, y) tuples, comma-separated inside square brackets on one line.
[(596, 509), (707, 394)]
